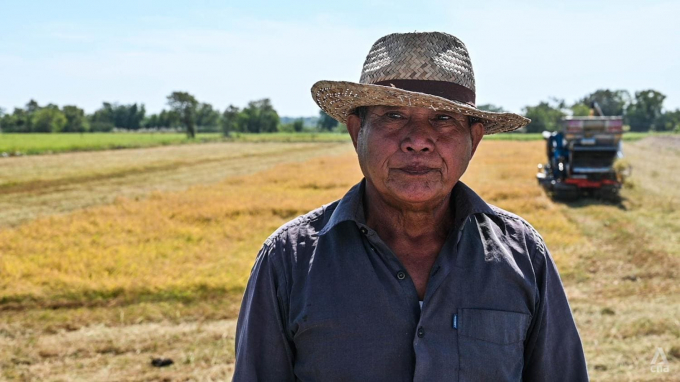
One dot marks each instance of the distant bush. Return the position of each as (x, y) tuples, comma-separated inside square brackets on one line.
[(101, 127)]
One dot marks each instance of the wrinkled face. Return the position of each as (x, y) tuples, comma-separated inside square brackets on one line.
[(413, 156)]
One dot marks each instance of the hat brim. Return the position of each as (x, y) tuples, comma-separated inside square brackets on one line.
[(339, 99)]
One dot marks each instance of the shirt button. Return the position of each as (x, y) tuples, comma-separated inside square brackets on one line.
[(421, 332), (364, 230), (401, 275)]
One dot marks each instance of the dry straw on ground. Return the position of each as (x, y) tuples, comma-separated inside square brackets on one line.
[(31, 187), (162, 275)]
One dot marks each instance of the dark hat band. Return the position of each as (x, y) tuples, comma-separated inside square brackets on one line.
[(444, 89)]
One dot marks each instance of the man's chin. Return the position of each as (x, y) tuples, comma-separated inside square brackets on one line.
[(418, 194)]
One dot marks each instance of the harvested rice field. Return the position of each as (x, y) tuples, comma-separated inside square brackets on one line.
[(111, 258)]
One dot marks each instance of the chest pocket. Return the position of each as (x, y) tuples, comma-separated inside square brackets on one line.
[(491, 344)]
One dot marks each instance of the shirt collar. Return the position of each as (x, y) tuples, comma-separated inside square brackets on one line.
[(465, 201), (349, 208)]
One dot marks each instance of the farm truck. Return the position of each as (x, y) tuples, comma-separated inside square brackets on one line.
[(581, 157)]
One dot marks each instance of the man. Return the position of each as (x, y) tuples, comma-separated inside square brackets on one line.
[(410, 276)]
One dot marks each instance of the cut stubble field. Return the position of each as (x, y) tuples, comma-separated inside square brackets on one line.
[(116, 259), (35, 186)]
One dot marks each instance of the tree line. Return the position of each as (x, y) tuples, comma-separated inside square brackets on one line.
[(184, 112), (642, 112)]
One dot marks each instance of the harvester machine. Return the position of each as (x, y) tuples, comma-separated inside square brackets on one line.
[(582, 156)]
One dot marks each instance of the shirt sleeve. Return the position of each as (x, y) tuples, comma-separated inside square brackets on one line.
[(553, 349), (263, 351)]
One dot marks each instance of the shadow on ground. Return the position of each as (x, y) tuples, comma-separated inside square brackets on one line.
[(590, 200)]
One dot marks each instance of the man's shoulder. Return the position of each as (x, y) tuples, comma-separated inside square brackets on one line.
[(303, 227), (516, 227), (506, 223), (510, 218)]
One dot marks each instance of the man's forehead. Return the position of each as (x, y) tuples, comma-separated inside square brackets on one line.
[(410, 109)]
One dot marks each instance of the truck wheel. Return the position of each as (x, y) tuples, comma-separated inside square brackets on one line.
[(565, 192), (565, 195), (610, 194)]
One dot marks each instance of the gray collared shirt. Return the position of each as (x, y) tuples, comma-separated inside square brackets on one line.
[(328, 300)]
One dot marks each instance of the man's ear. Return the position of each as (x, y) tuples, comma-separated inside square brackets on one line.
[(353, 127), (477, 133)]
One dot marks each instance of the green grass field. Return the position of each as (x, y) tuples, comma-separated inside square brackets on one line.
[(32, 144), (290, 137), (14, 144)]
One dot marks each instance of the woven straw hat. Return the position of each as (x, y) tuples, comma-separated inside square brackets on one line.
[(431, 70)]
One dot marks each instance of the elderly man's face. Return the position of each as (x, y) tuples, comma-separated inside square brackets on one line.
[(414, 156)]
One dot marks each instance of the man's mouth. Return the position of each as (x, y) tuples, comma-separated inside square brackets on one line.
[(417, 170)]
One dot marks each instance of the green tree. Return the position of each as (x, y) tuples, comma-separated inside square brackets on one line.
[(168, 118), (112, 115), (164, 119), (151, 121), (31, 109), (230, 120), (184, 104), (206, 116), (580, 110), (102, 119), (2, 118), (48, 119), (668, 121), (325, 121), (127, 116), (545, 116), (7, 124), (75, 120), (130, 116), (139, 117), (643, 114), (32, 106), (612, 102), (260, 117), (17, 122), (298, 125)]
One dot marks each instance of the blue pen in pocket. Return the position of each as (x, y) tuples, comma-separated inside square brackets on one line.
[(455, 321)]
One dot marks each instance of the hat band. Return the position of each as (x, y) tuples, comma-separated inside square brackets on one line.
[(448, 90)]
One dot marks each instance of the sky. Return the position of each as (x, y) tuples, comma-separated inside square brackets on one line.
[(232, 52)]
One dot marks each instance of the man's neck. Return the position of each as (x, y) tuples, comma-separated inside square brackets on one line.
[(406, 225)]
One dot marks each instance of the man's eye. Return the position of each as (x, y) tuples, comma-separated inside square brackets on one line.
[(444, 117), (393, 115)]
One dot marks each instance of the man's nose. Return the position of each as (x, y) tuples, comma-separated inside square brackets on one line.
[(418, 137)]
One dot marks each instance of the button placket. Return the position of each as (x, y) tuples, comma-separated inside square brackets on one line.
[(378, 247)]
